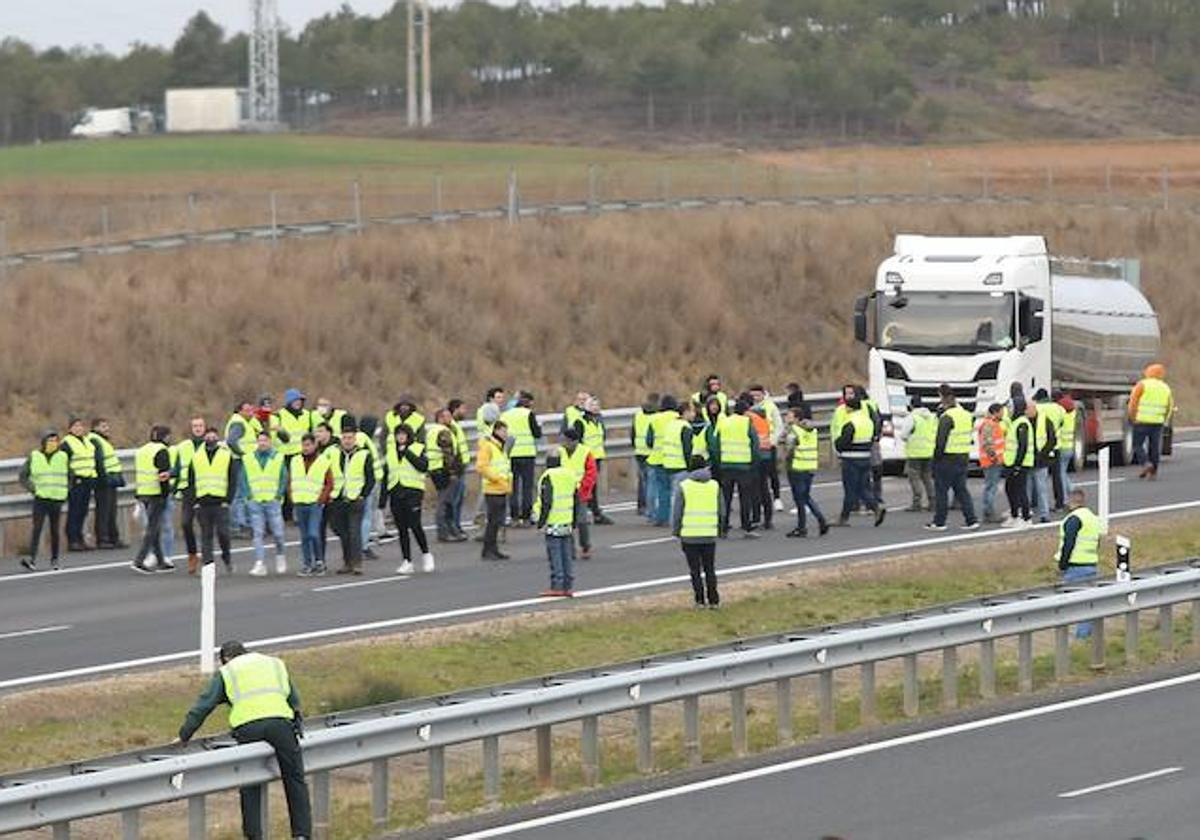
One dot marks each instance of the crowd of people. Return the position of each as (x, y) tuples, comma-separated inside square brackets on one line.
[(326, 469)]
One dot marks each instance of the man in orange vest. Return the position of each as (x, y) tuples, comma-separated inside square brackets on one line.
[(991, 459)]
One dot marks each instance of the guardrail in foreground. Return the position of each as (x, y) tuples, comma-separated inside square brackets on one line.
[(618, 423), (126, 784)]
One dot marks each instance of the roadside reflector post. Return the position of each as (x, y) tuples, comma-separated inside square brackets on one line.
[(208, 618), (1102, 488)]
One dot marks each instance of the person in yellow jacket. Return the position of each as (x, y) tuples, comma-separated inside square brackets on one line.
[(495, 470), (1151, 404), (45, 475)]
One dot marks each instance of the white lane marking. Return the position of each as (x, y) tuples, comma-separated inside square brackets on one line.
[(1094, 482), (484, 609), (1128, 780), (17, 634), (638, 543), (827, 758), (1187, 444), (336, 586)]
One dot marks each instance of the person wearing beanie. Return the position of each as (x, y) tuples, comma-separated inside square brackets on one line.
[(1151, 404), (45, 475), (696, 517)]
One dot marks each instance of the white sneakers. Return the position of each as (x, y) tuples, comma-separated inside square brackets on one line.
[(1015, 522), (427, 564), (281, 564), (259, 569), (405, 568), (779, 505)]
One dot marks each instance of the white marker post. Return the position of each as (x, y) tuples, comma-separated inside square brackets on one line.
[(1102, 489), (208, 618)]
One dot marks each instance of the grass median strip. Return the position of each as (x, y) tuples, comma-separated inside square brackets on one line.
[(45, 726)]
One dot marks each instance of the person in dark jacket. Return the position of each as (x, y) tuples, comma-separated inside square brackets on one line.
[(154, 502), (212, 512), (48, 484), (853, 444), (951, 462), (109, 481), (348, 506), (698, 533), (406, 465), (1016, 453)]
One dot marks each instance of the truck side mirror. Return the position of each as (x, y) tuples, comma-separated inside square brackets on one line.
[(1032, 320), (860, 318)]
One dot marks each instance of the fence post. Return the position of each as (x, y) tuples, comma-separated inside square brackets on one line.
[(691, 730), (1131, 637), (664, 184), (514, 199), (929, 177), (321, 800), (208, 617), (61, 831), (1103, 487), (858, 182), (737, 708), (437, 194), (826, 723), (104, 227), (379, 793), (131, 824), (866, 693), (545, 757), (1195, 623), (1025, 662), (783, 710), (274, 218), (437, 780), (591, 196), (1062, 652), (491, 770), (645, 740), (911, 696), (987, 669), (1166, 187), (196, 818), (1099, 663), (358, 215), (1166, 628), (949, 678), (3, 249), (589, 744)]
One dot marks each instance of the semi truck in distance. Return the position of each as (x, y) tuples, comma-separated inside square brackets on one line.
[(979, 313), (98, 123)]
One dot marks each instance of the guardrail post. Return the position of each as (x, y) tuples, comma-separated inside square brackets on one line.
[(783, 710), (61, 831), (491, 770), (691, 730), (264, 799), (1062, 652), (131, 824), (437, 780), (197, 818), (911, 697), (826, 724), (545, 759), (1166, 628), (1025, 662), (1195, 623), (589, 746), (321, 797), (1098, 653), (737, 709), (949, 678), (379, 792), (645, 740), (987, 669), (1131, 636), (866, 693)]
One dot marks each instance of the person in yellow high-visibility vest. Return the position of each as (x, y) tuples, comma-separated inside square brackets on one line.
[(641, 446), (152, 486), (803, 458), (45, 474), (310, 484), (1151, 404), (109, 481), (696, 517), (524, 435), (264, 706), (212, 475), (951, 460), (406, 467), (1078, 554), (81, 461), (555, 509), (264, 484)]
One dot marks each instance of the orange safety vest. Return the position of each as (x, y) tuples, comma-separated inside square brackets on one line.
[(762, 429), (994, 429)]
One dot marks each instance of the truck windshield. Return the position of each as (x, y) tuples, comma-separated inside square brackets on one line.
[(946, 322)]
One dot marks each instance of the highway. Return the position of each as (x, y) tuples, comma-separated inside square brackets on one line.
[(98, 617), (1117, 765)]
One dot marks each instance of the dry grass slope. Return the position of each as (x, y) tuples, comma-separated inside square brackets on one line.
[(619, 305)]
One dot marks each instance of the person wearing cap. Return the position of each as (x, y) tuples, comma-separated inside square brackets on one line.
[(555, 510), (1151, 405), (45, 474), (263, 706), (524, 434), (81, 456), (152, 486), (354, 479)]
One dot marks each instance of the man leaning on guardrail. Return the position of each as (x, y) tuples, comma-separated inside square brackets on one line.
[(264, 706)]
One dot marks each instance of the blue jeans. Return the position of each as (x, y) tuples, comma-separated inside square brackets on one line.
[(239, 516), (856, 485), (561, 553), (801, 483), (1064, 461), (266, 516), (369, 515), (951, 474), (658, 494), (168, 528), (1073, 574), (1039, 490), (308, 520), (993, 476), (1147, 435)]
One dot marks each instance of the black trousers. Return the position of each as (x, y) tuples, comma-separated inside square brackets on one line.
[(279, 733), (773, 473), (345, 518), (105, 522), (1017, 490), (45, 510), (594, 502), (187, 519), (78, 499), (766, 507), (214, 522), (155, 507), (406, 512), (520, 503), (701, 558), (494, 505), (746, 482)]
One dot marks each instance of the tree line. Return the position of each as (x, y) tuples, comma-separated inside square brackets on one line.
[(840, 66)]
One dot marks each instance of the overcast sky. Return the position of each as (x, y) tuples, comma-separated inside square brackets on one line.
[(115, 24)]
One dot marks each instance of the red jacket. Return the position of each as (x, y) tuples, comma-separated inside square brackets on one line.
[(588, 485)]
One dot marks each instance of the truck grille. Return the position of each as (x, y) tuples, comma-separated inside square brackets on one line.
[(927, 395)]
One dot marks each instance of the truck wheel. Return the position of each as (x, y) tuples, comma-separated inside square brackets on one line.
[(1122, 452), (1080, 450)]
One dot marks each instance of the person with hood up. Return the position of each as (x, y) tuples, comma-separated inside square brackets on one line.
[(1151, 404), (45, 475), (404, 412), (295, 421), (699, 510)]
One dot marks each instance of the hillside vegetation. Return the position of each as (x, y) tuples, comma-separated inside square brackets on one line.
[(616, 305)]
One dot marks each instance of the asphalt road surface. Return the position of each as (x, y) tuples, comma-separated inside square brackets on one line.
[(1115, 766), (97, 616)]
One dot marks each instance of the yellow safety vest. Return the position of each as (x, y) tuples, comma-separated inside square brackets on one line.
[(700, 443), (659, 423), (296, 427), (146, 482), (701, 509), (572, 414), (353, 471), (1010, 443), (576, 462), (257, 688), (1087, 541), (959, 441), (437, 458), (562, 496), (212, 476), (332, 456), (482, 428), (307, 481), (841, 413), (641, 425), (367, 442), (48, 474), (401, 471), (108, 453), (672, 449), (263, 480), (1066, 429), (83, 456), (181, 458), (923, 439), (593, 438), (392, 421), (250, 431), (734, 433), (804, 456), (520, 432), (864, 432), (460, 443), (701, 399), (1155, 402)]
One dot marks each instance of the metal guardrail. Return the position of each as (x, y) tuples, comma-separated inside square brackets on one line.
[(126, 784), (618, 424)]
